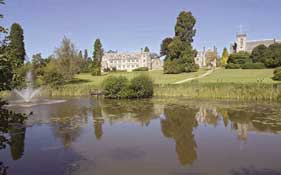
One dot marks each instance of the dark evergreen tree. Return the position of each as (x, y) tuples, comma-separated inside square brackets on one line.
[(86, 57), (80, 55), (16, 45), (180, 48), (164, 46), (98, 51), (184, 28), (97, 58)]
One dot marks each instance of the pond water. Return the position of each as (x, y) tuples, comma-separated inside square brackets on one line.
[(154, 137)]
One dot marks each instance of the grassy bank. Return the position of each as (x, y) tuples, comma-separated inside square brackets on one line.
[(221, 84)]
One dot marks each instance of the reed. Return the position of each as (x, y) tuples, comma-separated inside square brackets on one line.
[(252, 91)]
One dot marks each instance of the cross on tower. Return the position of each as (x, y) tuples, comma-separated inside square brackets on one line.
[(241, 28)]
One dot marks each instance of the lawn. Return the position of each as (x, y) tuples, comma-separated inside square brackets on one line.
[(157, 76), (240, 76)]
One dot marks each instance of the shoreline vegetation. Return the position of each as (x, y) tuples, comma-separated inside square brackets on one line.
[(221, 84)]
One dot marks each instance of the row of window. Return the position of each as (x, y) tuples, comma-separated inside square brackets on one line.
[(119, 61), (126, 66)]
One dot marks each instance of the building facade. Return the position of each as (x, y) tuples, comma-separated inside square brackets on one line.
[(206, 58), (129, 61), (242, 44)]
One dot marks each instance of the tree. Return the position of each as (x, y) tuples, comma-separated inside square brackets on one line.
[(258, 54), (239, 58), (38, 64), (273, 56), (98, 51), (16, 45), (224, 57), (80, 55), (97, 58), (86, 57), (180, 48), (164, 46), (68, 61), (184, 28), (146, 49)]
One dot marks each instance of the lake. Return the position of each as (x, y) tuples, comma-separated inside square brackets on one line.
[(146, 137)]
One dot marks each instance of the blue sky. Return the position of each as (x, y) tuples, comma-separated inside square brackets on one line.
[(128, 25)]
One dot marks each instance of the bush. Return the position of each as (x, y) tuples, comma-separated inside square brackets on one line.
[(239, 58), (116, 87), (142, 87), (277, 74), (232, 66), (120, 87), (141, 69), (253, 66)]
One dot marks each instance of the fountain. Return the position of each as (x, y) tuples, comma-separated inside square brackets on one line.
[(28, 93)]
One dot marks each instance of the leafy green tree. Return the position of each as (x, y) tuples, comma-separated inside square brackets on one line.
[(38, 64), (68, 61), (16, 45), (184, 28), (239, 58), (97, 58), (224, 57), (52, 76), (6, 73), (258, 54), (164, 46), (273, 56), (146, 49)]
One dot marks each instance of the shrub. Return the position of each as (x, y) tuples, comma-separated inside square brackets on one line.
[(239, 58), (141, 69), (253, 66), (277, 74), (120, 87), (142, 86), (116, 87), (232, 66)]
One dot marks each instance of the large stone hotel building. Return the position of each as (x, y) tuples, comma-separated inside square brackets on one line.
[(129, 61)]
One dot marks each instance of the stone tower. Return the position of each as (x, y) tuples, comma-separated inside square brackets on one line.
[(241, 39)]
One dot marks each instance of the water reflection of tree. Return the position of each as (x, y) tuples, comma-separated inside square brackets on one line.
[(141, 111), (13, 124), (178, 124), (67, 122), (98, 119)]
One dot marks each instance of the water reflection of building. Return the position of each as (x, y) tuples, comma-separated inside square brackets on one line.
[(207, 115), (241, 122)]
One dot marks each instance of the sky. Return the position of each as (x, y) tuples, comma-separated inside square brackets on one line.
[(129, 25)]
